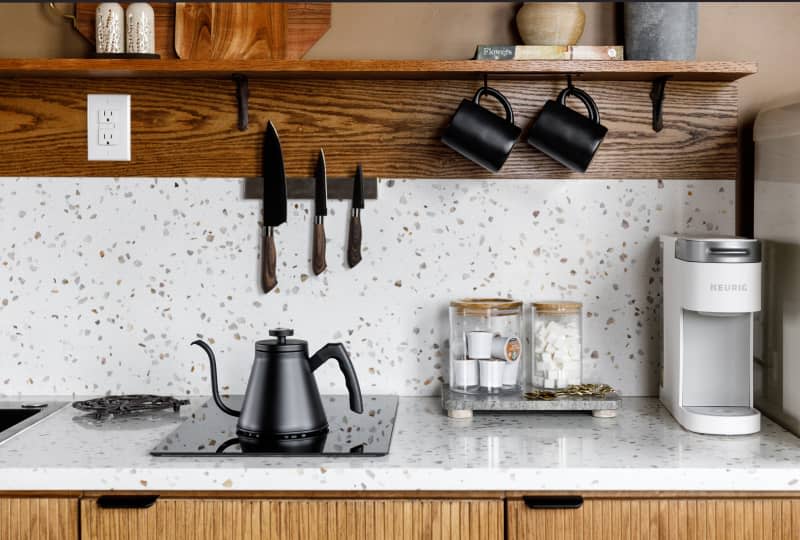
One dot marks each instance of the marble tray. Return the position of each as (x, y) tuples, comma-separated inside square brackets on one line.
[(460, 405)]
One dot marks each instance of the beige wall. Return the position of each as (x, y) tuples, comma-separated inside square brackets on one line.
[(765, 32)]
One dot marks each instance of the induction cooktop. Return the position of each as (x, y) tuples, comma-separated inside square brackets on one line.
[(209, 432)]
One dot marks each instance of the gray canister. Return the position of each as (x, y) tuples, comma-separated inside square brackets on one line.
[(660, 30)]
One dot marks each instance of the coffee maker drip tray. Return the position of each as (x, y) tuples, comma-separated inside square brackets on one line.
[(212, 433)]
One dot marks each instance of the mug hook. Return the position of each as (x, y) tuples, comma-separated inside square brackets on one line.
[(485, 81), (569, 82)]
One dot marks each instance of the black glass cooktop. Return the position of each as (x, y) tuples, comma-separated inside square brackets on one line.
[(210, 432)]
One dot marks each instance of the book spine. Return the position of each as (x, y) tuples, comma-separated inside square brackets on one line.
[(495, 52)]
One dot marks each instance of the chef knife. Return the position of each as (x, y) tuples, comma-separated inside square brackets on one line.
[(274, 198), (318, 263), (354, 237)]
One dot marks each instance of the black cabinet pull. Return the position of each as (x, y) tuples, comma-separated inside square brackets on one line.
[(126, 501), (544, 502)]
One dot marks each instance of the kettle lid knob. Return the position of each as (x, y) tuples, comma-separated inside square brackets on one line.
[(281, 334)]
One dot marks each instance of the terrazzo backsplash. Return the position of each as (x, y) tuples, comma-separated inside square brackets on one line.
[(104, 282)]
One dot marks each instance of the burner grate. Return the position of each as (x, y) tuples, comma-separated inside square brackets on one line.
[(119, 405)]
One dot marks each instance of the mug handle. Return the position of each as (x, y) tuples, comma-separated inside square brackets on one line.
[(586, 99), (498, 96)]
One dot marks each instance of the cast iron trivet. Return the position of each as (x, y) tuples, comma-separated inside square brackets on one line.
[(135, 403)]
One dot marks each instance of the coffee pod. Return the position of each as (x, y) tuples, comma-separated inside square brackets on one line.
[(479, 344), (506, 348), (491, 374), (465, 373)]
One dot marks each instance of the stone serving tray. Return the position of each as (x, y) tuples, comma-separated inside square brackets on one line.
[(460, 405)]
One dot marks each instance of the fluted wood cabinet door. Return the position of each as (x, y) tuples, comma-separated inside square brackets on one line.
[(315, 519), (659, 519), (38, 518)]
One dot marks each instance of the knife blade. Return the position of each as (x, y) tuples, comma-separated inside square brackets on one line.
[(274, 204), (318, 263), (354, 236)]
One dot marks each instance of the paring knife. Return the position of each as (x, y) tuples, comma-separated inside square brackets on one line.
[(274, 198), (354, 236), (318, 264)]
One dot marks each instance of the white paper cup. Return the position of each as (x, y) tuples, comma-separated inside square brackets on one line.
[(479, 344), (491, 374), (510, 372), (465, 373)]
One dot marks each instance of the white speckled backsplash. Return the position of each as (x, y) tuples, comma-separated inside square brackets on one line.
[(103, 282)]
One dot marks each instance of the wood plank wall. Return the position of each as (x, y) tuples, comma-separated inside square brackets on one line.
[(187, 128)]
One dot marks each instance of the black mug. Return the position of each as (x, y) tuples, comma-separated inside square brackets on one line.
[(566, 135), (479, 134)]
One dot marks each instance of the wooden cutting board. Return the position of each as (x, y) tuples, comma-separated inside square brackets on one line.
[(306, 22), (266, 31)]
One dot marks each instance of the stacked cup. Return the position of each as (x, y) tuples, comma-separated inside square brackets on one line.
[(479, 347)]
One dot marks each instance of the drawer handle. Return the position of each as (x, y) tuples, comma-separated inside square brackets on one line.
[(546, 502), (126, 501)]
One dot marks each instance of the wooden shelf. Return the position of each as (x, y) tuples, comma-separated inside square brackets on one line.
[(380, 69)]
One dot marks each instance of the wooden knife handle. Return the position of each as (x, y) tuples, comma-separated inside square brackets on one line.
[(268, 257), (318, 264), (354, 242)]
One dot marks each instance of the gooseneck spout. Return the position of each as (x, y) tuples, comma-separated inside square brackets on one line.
[(214, 385)]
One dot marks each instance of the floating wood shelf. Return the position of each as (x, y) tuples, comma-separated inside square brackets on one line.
[(386, 114), (380, 69)]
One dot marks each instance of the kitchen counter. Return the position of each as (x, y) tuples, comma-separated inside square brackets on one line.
[(642, 449)]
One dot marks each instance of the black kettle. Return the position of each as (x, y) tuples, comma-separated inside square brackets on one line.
[(282, 399)]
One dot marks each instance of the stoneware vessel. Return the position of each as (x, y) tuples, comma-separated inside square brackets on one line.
[(109, 28), (551, 23), (140, 29), (660, 30)]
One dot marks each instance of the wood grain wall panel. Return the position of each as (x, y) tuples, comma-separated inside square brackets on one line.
[(659, 519), (37, 518), (339, 519), (187, 128)]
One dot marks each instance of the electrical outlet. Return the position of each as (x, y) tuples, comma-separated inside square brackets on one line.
[(108, 127), (106, 137)]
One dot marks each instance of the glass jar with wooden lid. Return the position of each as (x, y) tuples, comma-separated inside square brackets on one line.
[(486, 345), (557, 344)]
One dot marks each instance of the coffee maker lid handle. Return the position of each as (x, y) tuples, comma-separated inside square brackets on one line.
[(337, 351), (281, 334)]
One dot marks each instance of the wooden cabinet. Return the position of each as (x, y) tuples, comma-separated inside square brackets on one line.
[(300, 519), (38, 518), (658, 519)]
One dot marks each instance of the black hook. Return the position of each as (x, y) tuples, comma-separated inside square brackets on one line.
[(242, 96), (485, 81), (657, 93), (569, 81)]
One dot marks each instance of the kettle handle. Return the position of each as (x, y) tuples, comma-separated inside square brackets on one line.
[(337, 350)]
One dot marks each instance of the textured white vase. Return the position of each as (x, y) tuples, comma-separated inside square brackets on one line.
[(140, 29), (109, 28)]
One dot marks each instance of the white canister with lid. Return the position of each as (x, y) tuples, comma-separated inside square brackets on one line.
[(140, 29), (109, 28), (557, 344)]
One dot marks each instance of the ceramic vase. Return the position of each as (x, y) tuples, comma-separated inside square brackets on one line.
[(140, 29), (551, 23), (109, 28), (660, 30)]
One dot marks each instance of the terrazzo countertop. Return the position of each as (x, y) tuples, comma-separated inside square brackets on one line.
[(641, 449)]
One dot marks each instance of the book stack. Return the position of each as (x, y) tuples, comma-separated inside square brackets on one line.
[(549, 52)]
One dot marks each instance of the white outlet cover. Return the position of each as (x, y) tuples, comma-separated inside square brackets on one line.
[(108, 127)]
